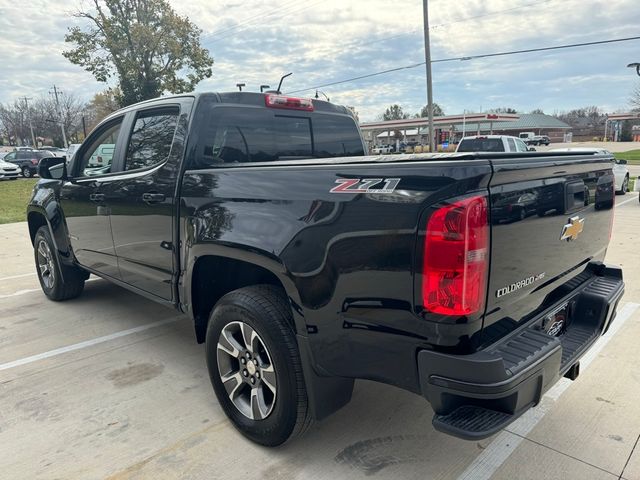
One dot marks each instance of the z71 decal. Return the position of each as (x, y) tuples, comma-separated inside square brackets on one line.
[(365, 185)]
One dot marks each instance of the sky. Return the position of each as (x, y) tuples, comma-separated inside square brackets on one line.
[(324, 41)]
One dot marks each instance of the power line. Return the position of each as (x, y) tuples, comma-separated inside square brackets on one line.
[(247, 20), (469, 57), (446, 24), (281, 14)]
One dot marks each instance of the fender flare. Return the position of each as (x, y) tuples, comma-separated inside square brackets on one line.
[(253, 256), (53, 219)]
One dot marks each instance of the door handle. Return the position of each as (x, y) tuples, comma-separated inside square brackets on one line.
[(96, 197), (153, 197)]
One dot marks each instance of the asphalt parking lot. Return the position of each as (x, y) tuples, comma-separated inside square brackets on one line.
[(111, 385)]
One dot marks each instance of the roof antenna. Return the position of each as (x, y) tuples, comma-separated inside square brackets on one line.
[(262, 87), (240, 85), (281, 79), (323, 94)]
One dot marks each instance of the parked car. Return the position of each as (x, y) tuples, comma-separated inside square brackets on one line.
[(382, 149), (541, 140), (493, 143), (55, 151), (620, 170), (26, 160), (8, 171), (305, 264)]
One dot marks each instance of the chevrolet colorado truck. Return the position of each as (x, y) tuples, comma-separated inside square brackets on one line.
[(305, 263)]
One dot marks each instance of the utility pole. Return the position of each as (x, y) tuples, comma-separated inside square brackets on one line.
[(55, 93), (26, 105), (427, 58)]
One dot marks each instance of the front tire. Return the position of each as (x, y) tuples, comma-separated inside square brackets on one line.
[(625, 186), (56, 284), (255, 367)]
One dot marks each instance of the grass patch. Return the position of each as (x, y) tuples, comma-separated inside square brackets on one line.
[(14, 196), (632, 156)]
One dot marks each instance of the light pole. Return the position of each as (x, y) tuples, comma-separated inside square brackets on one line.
[(26, 106), (427, 58)]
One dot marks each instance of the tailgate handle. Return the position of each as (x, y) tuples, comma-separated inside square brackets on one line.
[(576, 195)]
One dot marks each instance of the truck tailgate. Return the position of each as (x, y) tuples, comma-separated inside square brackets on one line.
[(550, 216)]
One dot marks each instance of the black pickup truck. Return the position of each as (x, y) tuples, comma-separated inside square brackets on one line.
[(474, 280)]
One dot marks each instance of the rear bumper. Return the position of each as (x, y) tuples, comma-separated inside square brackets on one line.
[(476, 395)]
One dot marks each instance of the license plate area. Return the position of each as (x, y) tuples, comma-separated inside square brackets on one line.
[(555, 323)]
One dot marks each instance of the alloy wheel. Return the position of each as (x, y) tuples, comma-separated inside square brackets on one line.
[(45, 264), (246, 370)]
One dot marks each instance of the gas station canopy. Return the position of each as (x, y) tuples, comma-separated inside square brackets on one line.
[(443, 122)]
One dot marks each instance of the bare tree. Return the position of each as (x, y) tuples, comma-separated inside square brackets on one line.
[(635, 99), (14, 118), (45, 117)]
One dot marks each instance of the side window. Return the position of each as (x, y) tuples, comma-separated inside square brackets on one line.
[(151, 137), (521, 146), (10, 156), (98, 157), (512, 144)]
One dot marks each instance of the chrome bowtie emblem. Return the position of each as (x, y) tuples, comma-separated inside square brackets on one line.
[(572, 229)]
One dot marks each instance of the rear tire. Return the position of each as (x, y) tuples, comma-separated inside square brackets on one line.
[(26, 172), (56, 284), (254, 325)]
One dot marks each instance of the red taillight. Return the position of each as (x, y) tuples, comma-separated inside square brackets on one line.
[(290, 103), (456, 251)]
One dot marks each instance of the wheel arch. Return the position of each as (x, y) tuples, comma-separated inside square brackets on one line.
[(212, 273)]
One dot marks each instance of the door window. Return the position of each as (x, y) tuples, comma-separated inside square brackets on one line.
[(521, 146), (151, 138), (9, 157), (512, 144), (97, 159)]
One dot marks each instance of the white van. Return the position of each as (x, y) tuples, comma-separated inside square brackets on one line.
[(103, 155)]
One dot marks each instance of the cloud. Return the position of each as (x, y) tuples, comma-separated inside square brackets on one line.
[(324, 41)]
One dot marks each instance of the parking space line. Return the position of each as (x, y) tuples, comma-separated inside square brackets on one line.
[(627, 201), (17, 276), (501, 448), (31, 290), (85, 344)]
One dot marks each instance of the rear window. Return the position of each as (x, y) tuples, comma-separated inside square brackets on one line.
[(239, 135), (481, 145)]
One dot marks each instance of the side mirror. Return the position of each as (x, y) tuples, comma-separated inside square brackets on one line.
[(531, 149), (53, 168), (622, 161)]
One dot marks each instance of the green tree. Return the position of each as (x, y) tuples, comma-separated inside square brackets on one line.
[(144, 43), (437, 111), (101, 105), (394, 112)]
